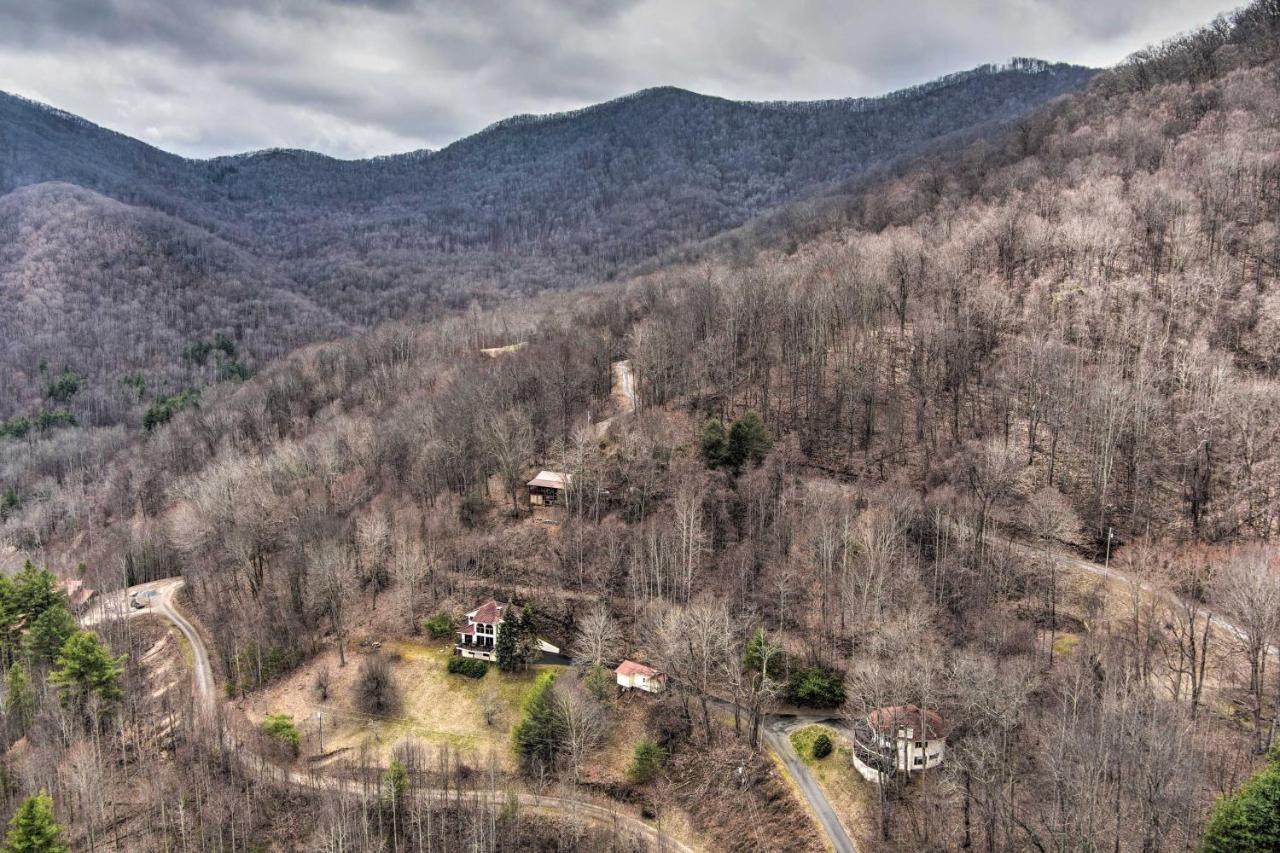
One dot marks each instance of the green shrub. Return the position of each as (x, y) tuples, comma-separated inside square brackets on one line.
[(16, 427), (164, 408), (470, 667), (647, 762), (438, 626), (50, 418), (280, 727), (816, 687), (1249, 819), (63, 387), (822, 746)]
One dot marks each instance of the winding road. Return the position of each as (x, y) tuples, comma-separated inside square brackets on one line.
[(158, 600)]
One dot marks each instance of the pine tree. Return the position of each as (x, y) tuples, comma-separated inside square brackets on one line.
[(537, 736), (1250, 818), (85, 667), (32, 828), (19, 698), (49, 632), (647, 762), (507, 648), (714, 442), (397, 782), (35, 590), (529, 650), (748, 442)]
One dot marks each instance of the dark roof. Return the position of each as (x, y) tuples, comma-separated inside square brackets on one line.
[(887, 721)]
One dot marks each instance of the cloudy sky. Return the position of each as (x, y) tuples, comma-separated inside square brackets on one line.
[(352, 78)]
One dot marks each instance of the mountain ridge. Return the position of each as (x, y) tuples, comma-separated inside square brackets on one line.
[(1018, 64), (524, 205)]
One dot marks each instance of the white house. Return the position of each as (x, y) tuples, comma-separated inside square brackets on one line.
[(916, 737), (547, 489), (478, 638), (631, 674)]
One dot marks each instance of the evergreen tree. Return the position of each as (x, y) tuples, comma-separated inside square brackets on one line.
[(35, 591), (507, 647), (397, 782), (714, 442), (600, 683), (32, 828), (537, 735), (763, 656), (647, 762), (49, 632), (10, 619), (85, 667), (527, 642), (1249, 819), (748, 442), (9, 501), (19, 698)]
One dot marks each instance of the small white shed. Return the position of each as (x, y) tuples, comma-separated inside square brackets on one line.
[(631, 674)]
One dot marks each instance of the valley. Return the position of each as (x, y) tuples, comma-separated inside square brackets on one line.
[(674, 474)]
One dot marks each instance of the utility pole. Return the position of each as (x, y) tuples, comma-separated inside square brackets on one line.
[(1107, 562), (320, 718)]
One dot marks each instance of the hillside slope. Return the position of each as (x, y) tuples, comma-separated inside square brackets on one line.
[(104, 287), (1062, 332)]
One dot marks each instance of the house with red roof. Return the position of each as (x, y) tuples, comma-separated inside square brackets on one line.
[(640, 677), (915, 737), (478, 636)]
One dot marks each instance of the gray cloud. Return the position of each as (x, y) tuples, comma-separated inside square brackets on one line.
[(360, 77)]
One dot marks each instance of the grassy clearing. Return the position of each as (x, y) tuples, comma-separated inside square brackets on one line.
[(802, 740), (848, 793), (1065, 644), (436, 708)]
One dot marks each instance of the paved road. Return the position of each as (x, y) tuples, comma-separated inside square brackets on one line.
[(158, 597), (776, 732)]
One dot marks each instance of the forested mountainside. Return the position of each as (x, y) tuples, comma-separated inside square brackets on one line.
[(529, 203), (102, 288), (851, 470)]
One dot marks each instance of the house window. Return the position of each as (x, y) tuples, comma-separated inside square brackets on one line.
[(919, 761), (919, 745)]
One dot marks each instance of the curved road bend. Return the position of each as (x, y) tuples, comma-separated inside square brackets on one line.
[(776, 734), (159, 595)]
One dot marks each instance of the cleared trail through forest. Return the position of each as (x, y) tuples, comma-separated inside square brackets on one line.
[(622, 392), (158, 597)]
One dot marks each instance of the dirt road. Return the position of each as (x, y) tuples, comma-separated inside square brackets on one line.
[(157, 599)]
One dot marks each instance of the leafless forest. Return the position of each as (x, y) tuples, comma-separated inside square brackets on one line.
[(147, 252), (1059, 338)]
